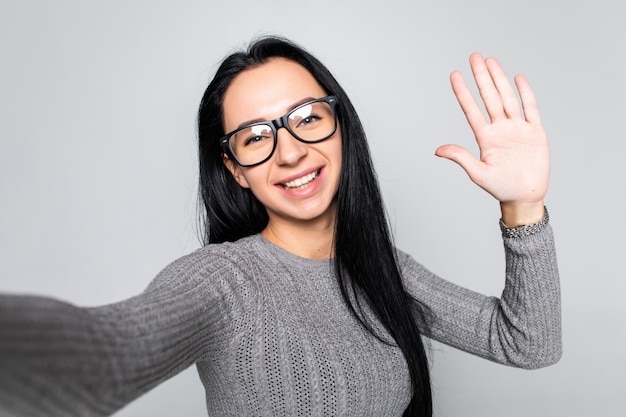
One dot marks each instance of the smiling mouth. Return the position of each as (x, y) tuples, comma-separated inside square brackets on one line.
[(302, 182)]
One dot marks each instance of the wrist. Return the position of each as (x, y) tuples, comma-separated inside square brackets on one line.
[(521, 214)]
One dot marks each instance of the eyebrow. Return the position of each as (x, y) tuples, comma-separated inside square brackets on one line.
[(290, 108)]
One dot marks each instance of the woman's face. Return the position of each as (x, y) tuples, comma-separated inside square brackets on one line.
[(300, 180)]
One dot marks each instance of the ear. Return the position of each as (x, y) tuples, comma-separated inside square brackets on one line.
[(235, 169)]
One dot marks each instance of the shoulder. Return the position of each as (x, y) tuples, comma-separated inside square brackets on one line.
[(413, 272), (229, 261), (406, 261)]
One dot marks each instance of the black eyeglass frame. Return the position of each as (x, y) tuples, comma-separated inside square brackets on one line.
[(277, 124)]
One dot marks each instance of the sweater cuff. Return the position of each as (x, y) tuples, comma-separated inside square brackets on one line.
[(526, 229)]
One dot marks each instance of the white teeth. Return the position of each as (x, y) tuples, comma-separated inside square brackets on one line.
[(302, 181)]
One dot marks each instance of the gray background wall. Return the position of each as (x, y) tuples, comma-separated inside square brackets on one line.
[(98, 159)]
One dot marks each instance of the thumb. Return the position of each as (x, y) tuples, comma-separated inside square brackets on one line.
[(472, 166)]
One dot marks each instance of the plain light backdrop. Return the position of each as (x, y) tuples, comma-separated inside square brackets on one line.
[(98, 159)]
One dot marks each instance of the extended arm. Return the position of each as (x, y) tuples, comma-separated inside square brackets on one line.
[(523, 327), (60, 360)]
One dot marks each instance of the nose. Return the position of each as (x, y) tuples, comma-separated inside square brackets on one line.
[(289, 150)]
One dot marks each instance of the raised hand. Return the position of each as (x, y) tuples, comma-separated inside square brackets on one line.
[(514, 164)]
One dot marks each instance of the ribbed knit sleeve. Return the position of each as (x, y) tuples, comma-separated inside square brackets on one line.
[(57, 359), (522, 328)]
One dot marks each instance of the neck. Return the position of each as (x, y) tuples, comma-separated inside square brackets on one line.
[(310, 239)]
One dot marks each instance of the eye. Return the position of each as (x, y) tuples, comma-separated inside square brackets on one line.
[(254, 135), (308, 120), (303, 116), (255, 140)]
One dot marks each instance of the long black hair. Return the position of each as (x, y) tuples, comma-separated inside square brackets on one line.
[(232, 212)]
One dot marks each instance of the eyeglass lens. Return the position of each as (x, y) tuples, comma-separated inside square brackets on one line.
[(310, 122)]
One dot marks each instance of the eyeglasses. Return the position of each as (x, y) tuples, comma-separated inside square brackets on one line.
[(311, 122)]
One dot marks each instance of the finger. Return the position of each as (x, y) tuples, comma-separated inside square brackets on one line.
[(529, 103), (486, 87), (472, 166), (472, 111), (507, 94)]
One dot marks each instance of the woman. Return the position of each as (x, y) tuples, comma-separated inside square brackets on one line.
[(299, 304)]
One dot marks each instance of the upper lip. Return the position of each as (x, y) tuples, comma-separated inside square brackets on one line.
[(299, 175)]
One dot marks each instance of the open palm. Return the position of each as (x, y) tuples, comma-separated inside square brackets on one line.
[(514, 163)]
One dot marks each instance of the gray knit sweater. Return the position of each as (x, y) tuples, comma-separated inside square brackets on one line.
[(269, 333)]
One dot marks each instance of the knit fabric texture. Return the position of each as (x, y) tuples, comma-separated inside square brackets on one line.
[(269, 333)]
